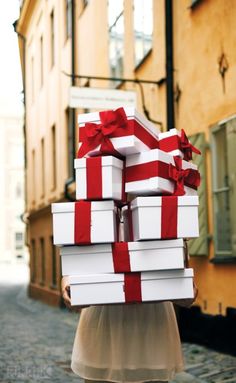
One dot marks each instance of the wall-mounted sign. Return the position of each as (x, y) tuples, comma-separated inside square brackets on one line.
[(100, 98)]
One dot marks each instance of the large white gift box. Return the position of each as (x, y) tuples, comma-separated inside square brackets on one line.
[(84, 222), (121, 257), (120, 132), (163, 217), (177, 143), (95, 289), (99, 178), (158, 172)]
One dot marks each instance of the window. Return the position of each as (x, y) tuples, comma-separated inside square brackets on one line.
[(143, 28), (43, 167), (33, 177), (42, 256), (33, 261), (19, 191), (116, 37), (41, 61), (53, 151), (52, 31), (54, 263), (19, 241), (68, 13), (70, 142), (224, 182)]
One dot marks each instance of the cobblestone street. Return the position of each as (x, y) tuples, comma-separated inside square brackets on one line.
[(36, 341)]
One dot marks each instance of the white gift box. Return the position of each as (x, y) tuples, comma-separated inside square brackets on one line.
[(150, 286), (99, 178), (177, 143), (100, 225), (170, 142), (122, 257), (148, 173), (140, 134), (163, 217)]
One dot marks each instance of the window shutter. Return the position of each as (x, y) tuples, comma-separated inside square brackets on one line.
[(231, 159), (199, 246)]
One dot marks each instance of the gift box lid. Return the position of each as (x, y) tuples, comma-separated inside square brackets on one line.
[(80, 163), (156, 155), (130, 112), (91, 249), (69, 207), (171, 132), (155, 201), (146, 275), (132, 246)]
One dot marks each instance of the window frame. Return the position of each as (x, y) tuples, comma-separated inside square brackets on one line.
[(215, 190)]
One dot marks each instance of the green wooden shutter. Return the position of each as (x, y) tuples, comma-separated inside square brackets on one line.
[(199, 246), (231, 162)]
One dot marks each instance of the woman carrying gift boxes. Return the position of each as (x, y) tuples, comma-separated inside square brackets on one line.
[(116, 340)]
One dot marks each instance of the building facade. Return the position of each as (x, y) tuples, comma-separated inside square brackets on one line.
[(186, 48), (12, 237)]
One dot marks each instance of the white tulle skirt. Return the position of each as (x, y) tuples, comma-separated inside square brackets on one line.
[(127, 343)]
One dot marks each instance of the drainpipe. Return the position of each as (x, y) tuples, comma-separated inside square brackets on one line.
[(23, 39), (169, 65), (72, 111)]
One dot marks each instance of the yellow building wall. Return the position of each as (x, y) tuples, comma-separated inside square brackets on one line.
[(201, 35)]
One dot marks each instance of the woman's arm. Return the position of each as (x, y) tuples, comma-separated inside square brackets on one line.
[(190, 301), (65, 291)]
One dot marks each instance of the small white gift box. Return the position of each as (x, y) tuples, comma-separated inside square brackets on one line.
[(157, 172), (95, 289), (163, 217), (120, 132), (84, 222), (177, 143), (99, 178), (121, 257)]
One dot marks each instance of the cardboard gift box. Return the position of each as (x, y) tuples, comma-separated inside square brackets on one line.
[(162, 218), (95, 289), (115, 132), (99, 178), (177, 143), (157, 172), (84, 222), (122, 257)]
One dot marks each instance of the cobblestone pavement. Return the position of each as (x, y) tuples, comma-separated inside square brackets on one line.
[(36, 341)]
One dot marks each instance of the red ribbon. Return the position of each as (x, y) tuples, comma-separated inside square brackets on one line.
[(182, 143), (99, 134), (169, 217), (187, 147), (94, 177), (188, 177), (120, 255), (181, 177), (82, 223), (113, 124), (132, 287)]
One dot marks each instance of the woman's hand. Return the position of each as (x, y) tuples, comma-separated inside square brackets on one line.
[(65, 290)]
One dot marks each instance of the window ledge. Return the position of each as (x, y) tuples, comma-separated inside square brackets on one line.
[(221, 260)]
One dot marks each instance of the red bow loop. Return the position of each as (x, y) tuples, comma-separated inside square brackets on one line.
[(178, 175), (187, 147), (99, 134)]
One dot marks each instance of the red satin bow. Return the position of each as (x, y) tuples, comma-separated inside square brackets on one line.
[(189, 177), (99, 134), (187, 147)]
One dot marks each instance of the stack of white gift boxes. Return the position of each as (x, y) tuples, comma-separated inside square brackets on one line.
[(115, 251)]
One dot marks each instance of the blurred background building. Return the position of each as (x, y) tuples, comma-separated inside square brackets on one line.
[(186, 49), (12, 196)]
